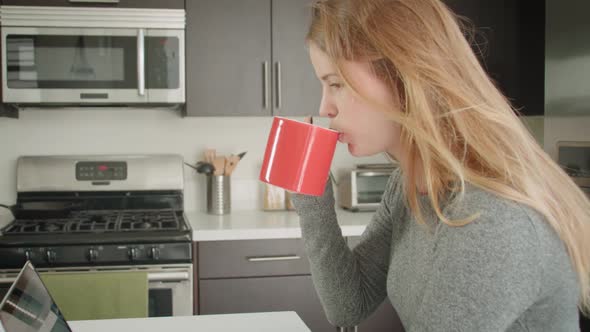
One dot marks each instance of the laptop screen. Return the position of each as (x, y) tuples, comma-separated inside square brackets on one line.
[(28, 307)]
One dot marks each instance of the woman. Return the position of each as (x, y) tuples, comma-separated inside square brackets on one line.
[(478, 230)]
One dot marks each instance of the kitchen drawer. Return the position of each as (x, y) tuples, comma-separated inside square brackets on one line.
[(249, 258), (174, 4), (290, 293)]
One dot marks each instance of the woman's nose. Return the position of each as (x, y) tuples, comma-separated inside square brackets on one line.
[(328, 109)]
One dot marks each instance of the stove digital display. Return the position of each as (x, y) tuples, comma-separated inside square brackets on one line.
[(101, 171)]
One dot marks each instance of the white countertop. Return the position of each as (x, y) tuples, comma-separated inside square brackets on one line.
[(286, 321), (256, 225)]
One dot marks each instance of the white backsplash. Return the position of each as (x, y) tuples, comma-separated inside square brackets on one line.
[(137, 131)]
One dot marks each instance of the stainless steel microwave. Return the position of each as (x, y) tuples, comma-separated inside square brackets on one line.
[(361, 188), (81, 55)]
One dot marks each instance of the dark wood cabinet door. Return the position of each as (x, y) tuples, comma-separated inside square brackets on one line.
[(252, 258), (296, 90), (241, 295)]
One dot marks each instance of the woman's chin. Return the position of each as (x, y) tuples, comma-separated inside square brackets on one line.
[(355, 151)]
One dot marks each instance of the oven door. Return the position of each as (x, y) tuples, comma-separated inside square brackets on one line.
[(5, 283), (170, 293), (170, 287)]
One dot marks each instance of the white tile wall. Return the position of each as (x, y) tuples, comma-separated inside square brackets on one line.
[(129, 131)]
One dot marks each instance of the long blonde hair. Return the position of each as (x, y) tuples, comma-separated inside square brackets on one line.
[(456, 124)]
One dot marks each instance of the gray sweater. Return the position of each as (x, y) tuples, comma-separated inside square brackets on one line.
[(505, 271)]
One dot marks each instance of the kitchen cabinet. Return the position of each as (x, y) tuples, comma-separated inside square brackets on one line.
[(268, 275), (248, 58), (173, 4), (385, 318), (257, 275), (262, 294)]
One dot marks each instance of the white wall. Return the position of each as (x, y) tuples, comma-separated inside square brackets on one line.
[(130, 131)]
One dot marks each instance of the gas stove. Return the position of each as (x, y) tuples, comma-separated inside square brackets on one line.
[(97, 210), (99, 222)]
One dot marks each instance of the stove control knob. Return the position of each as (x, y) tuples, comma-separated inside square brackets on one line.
[(28, 255), (92, 255), (155, 253), (51, 256), (133, 253)]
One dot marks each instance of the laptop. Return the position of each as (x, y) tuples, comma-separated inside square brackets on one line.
[(28, 306)]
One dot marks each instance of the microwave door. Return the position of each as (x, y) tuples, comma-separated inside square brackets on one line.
[(164, 66), (71, 65), (369, 187)]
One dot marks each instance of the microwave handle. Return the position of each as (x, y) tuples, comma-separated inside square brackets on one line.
[(141, 62), (372, 173)]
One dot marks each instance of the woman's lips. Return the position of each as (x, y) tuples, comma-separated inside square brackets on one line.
[(342, 138)]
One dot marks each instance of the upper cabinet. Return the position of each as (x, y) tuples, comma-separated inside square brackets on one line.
[(173, 4), (509, 40), (297, 91), (248, 58)]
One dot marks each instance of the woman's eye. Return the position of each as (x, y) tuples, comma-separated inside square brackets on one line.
[(336, 85)]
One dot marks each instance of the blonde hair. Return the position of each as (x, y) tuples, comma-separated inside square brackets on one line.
[(455, 122)]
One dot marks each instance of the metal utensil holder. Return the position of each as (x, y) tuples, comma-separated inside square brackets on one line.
[(218, 194)]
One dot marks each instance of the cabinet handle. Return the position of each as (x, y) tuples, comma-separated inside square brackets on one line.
[(140, 62), (278, 83), (95, 1), (345, 329), (265, 84), (273, 258)]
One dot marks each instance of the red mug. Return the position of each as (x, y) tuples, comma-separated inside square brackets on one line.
[(298, 156)]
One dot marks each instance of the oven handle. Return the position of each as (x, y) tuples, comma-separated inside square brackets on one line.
[(153, 277), (7, 280), (168, 276)]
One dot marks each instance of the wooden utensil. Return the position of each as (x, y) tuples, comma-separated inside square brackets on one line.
[(210, 155), (219, 164), (232, 162)]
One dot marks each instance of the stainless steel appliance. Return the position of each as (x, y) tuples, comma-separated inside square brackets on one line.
[(361, 188), (574, 158), (94, 213), (96, 56)]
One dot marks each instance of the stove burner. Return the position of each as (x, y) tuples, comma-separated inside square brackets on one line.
[(99, 221), (51, 227), (145, 225)]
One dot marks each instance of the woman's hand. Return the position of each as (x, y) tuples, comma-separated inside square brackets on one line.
[(306, 205)]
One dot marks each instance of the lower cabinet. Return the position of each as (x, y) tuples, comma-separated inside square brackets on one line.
[(242, 276), (289, 293)]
